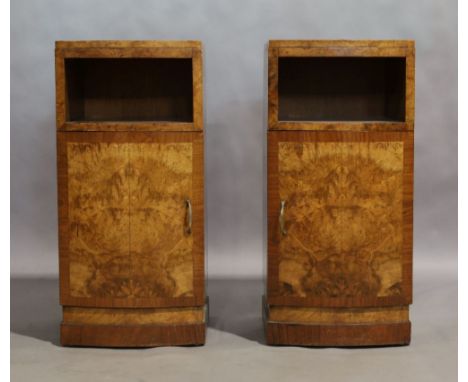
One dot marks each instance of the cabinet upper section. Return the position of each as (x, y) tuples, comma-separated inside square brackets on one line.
[(129, 85), (341, 85)]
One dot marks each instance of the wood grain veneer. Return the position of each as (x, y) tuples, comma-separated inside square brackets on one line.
[(129, 158), (132, 335), (341, 89), (346, 50), (148, 93), (129, 89), (133, 316), (327, 316), (340, 260)]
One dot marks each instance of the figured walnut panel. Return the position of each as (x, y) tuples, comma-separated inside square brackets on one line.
[(160, 176), (344, 216), (133, 316), (98, 207), (126, 214), (330, 316)]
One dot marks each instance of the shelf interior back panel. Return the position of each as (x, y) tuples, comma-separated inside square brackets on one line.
[(341, 88), (132, 89)]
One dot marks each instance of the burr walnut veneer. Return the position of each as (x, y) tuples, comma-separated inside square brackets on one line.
[(130, 186), (340, 192)]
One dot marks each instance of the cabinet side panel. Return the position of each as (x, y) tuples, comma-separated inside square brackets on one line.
[(272, 87), (197, 80), (408, 194), (198, 223), (272, 215), (60, 89), (62, 196)]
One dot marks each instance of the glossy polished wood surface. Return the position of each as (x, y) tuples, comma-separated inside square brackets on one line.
[(340, 192), (123, 207), (139, 90), (393, 314), (348, 217), (347, 50), (130, 164), (133, 316), (124, 336), (127, 234), (343, 213)]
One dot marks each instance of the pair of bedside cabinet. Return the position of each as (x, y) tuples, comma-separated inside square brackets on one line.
[(130, 149)]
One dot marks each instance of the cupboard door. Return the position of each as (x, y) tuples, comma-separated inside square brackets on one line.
[(340, 218), (160, 188), (131, 219)]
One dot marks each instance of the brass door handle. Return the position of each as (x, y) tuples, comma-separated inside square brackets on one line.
[(281, 217), (188, 219)]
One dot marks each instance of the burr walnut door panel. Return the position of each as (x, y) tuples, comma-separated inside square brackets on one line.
[(340, 218), (131, 219)]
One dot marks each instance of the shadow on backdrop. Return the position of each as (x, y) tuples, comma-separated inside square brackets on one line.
[(235, 307), (34, 308)]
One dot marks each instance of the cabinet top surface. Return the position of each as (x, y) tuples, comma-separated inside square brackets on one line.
[(381, 44), (128, 44)]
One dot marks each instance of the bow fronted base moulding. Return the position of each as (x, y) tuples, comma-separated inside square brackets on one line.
[(336, 326), (133, 327)]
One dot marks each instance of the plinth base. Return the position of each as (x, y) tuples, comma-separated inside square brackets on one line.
[(337, 326), (140, 327)]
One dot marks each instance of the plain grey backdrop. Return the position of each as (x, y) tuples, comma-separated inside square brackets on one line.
[(234, 34)]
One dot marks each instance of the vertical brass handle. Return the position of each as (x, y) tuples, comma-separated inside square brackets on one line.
[(281, 217), (188, 219)]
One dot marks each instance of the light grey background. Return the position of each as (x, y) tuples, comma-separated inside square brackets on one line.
[(234, 34)]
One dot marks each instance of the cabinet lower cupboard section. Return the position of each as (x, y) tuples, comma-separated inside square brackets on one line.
[(340, 238), (131, 238)]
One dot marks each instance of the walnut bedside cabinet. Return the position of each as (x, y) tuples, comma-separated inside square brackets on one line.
[(131, 193), (340, 192)]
